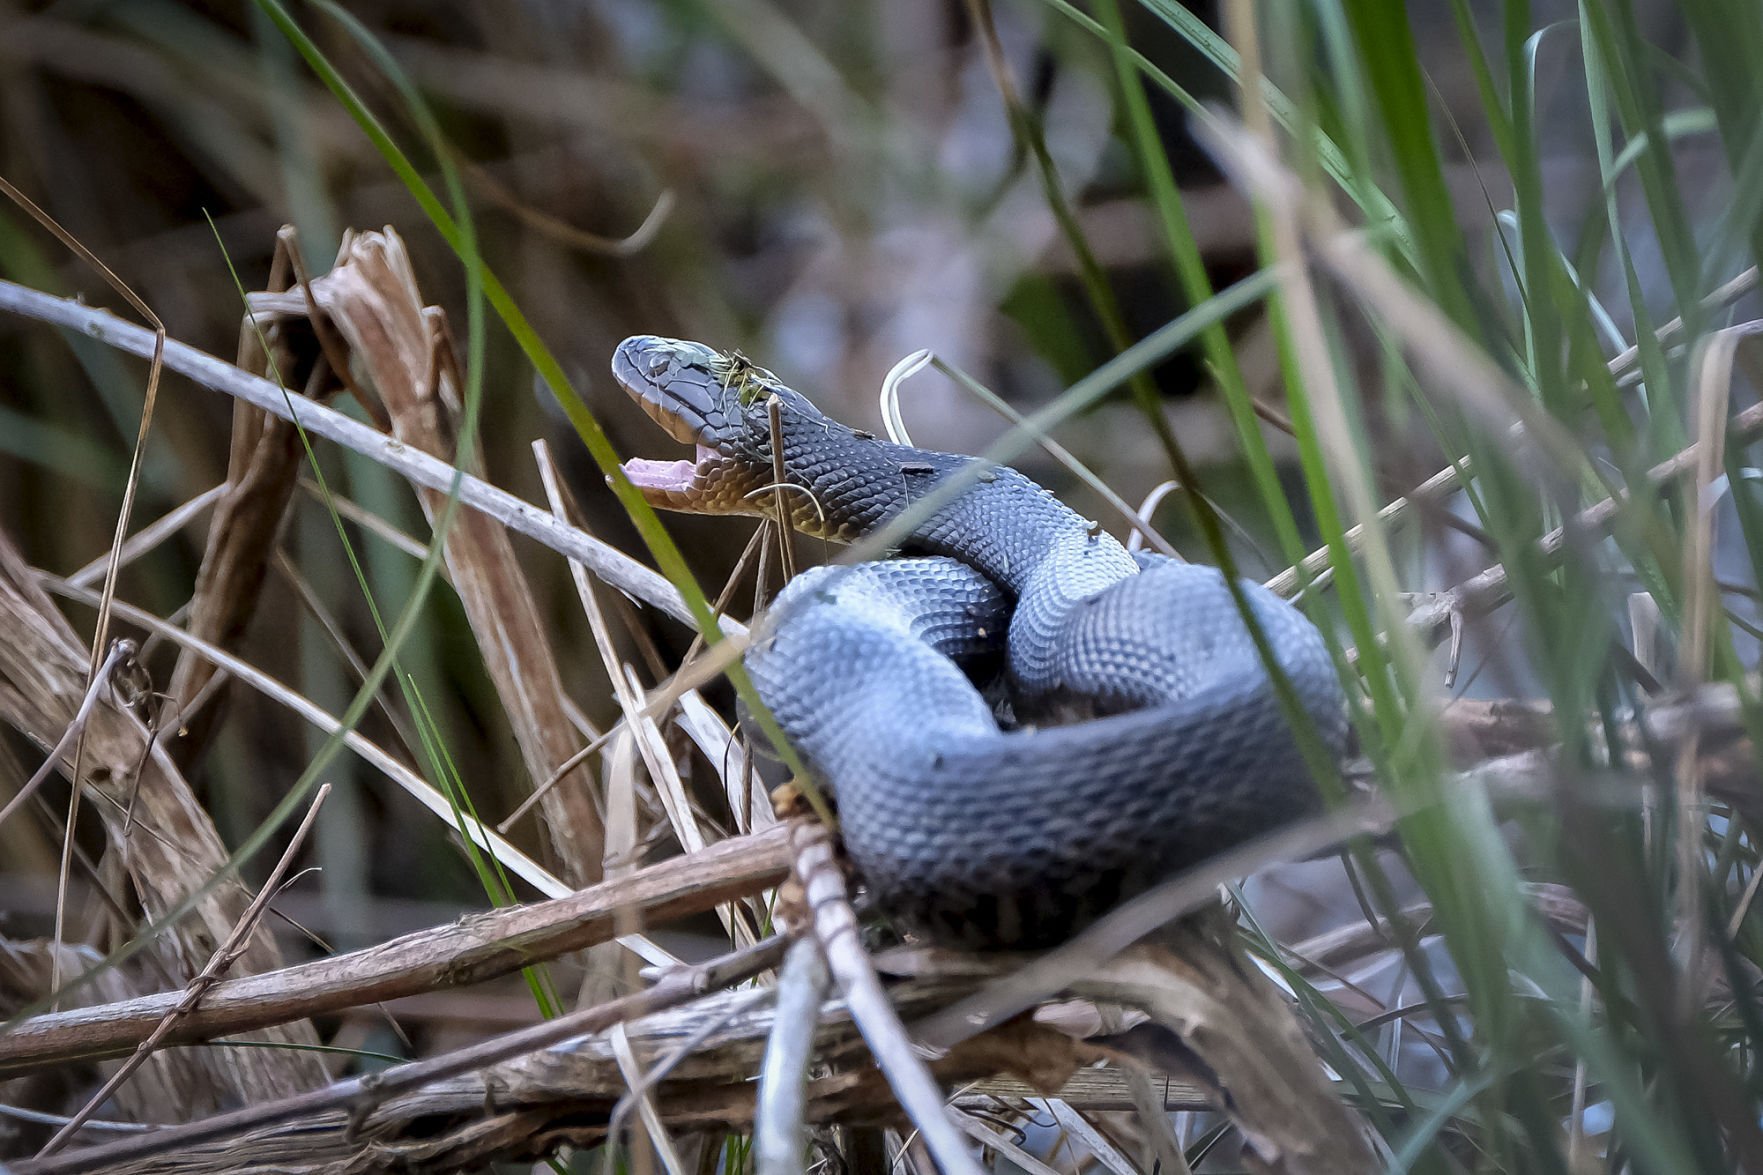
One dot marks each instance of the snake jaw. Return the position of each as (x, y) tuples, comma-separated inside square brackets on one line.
[(647, 473), (682, 387)]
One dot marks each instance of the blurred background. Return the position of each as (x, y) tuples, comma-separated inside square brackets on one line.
[(827, 187)]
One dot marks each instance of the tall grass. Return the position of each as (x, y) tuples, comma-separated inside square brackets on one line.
[(1565, 972), (1646, 1016)]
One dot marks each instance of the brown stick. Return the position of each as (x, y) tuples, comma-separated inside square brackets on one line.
[(151, 818), (476, 948), (608, 563), (361, 1094), (370, 297), (222, 958)]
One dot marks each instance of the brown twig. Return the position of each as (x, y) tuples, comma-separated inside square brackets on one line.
[(120, 651), (479, 947), (610, 564), (835, 928), (360, 1094), (224, 956)]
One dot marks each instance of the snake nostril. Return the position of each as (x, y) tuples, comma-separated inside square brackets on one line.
[(656, 365)]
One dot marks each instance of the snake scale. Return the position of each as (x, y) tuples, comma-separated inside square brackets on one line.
[(1144, 733)]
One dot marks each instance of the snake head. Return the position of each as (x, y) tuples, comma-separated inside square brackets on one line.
[(715, 402)]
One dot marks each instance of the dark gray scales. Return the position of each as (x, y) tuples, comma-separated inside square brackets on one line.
[(964, 831)]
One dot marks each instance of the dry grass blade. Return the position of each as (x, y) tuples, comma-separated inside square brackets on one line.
[(640, 1083), (640, 714), (635, 242), (643, 1085), (478, 947), (351, 511), (663, 774), (148, 401), (889, 401), (371, 299), (393, 768), (564, 768), (223, 957), (749, 806), (101, 635), (608, 563), (173, 848)]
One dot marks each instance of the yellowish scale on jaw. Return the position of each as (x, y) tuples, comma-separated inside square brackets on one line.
[(731, 491), (747, 377)]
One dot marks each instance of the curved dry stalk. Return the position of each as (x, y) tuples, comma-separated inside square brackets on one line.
[(359, 1095), (835, 927), (606, 562), (120, 651), (780, 1135), (476, 948), (224, 956), (1270, 1083)]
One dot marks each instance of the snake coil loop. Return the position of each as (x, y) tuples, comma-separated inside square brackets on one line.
[(1146, 733)]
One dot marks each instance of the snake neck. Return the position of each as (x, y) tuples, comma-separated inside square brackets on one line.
[(1000, 523), (1045, 556), (843, 484)]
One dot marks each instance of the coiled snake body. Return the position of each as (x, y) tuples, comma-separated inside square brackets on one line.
[(1174, 746)]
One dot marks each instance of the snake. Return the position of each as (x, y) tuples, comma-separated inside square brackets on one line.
[(1020, 722)]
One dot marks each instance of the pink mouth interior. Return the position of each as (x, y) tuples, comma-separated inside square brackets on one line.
[(665, 475)]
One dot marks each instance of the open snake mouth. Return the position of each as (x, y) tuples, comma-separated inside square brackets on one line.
[(672, 477), (678, 385)]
